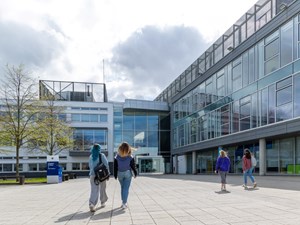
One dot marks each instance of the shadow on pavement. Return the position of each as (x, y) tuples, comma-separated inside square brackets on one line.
[(222, 192), (93, 216), (275, 181)]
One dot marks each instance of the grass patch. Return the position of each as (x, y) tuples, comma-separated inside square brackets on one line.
[(36, 180), (27, 180)]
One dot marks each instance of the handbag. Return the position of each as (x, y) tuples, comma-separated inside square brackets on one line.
[(101, 172)]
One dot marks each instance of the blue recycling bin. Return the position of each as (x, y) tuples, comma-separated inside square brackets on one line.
[(54, 171)]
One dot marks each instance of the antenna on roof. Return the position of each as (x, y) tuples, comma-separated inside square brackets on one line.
[(103, 73)]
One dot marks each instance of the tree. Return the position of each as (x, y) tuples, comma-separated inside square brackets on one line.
[(18, 108), (53, 134)]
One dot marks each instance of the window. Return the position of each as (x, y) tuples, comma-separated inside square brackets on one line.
[(85, 166), (284, 99), (7, 167), (32, 166), (272, 53), (140, 122), (221, 85), (75, 166), (284, 96), (85, 117), (85, 138), (103, 117), (245, 112), (93, 118), (237, 77), (20, 167), (193, 130), (296, 95), (42, 167), (75, 117), (63, 165), (286, 43)]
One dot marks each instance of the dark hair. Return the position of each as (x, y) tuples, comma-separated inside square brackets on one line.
[(247, 153)]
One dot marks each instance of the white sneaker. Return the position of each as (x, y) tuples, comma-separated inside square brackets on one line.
[(124, 206), (92, 208), (254, 185), (245, 186)]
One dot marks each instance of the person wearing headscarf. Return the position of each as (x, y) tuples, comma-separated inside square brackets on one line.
[(97, 190)]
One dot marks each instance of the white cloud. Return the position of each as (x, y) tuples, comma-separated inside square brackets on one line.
[(142, 42)]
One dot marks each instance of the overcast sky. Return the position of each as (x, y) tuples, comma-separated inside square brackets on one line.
[(145, 44)]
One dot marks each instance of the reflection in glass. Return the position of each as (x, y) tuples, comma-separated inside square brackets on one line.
[(271, 104), (286, 43), (140, 122), (284, 96), (297, 95), (152, 139), (272, 156), (272, 65), (284, 112), (286, 154), (152, 122), (264, 107), (128, 122)]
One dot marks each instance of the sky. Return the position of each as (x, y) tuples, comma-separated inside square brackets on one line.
[(136, 47)]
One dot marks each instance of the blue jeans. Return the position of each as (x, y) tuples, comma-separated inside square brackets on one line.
[(125, 180), (248, 173)]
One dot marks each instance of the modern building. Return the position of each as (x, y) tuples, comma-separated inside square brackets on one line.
[(243, 91), (143, 124)]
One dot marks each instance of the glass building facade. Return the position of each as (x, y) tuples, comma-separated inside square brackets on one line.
[(146, 129), (242, 92)]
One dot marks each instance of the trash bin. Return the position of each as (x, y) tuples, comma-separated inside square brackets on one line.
[(22, 180)]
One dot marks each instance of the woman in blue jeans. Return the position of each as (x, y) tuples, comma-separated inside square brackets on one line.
[(247, 168), (124, 165)]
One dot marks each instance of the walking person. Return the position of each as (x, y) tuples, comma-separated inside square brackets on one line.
[(247, 168), (98, 190), (222, 167), (124, 166)]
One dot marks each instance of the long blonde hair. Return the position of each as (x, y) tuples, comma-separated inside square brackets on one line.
[(223, 153), (124, 149)]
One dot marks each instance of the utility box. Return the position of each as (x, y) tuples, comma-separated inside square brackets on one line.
[(54, 171)]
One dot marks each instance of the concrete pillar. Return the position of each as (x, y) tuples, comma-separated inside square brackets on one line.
[(194, 162), (262, 157), (175, 164)]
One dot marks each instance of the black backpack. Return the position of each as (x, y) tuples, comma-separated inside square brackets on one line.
[(101, 172)]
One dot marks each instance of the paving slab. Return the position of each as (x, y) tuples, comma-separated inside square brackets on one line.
[(157, 199)]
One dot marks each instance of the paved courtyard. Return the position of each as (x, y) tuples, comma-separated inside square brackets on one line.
[(164, 199)]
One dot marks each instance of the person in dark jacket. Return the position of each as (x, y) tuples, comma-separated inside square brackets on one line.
[(222, 167), (124, 166)]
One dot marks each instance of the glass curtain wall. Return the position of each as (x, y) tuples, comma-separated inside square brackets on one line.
[(147, 131), (256, 89), (283, 156), (257, 17)]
